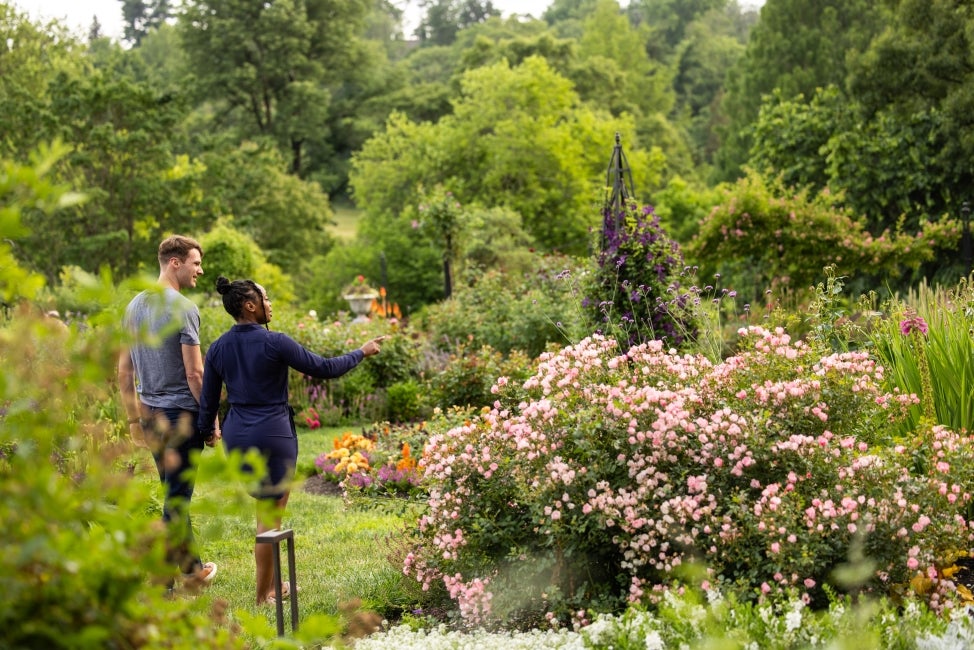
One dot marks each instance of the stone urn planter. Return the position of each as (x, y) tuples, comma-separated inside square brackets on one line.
[(360, 304), (359, 296)]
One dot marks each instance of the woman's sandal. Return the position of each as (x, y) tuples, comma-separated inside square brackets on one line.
[(285, 593)]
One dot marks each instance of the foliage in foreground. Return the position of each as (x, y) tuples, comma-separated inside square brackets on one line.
[(687, 621), (82, 557), (770, 470)]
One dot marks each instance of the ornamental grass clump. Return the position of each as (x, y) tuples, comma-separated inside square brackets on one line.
[(926, 345), (764, 473)]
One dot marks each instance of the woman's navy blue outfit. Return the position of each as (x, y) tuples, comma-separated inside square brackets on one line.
[(253, 363)]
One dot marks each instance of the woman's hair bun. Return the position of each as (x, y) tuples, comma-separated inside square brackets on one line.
[(222, 285)]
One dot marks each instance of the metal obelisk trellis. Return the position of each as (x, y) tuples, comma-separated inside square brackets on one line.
[(619, 189)]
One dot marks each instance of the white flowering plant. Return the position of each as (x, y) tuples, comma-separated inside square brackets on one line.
[(769, 471)]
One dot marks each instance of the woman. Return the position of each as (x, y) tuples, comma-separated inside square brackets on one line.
[(253, 362)]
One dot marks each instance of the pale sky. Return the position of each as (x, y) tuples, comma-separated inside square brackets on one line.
[(78, 13)]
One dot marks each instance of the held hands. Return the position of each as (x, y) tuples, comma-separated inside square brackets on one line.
[(216, 436), (373, 346)]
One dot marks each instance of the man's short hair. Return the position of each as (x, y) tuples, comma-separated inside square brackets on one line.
[(177, 246)]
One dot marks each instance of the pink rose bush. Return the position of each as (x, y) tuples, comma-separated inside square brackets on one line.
[(619, 477)]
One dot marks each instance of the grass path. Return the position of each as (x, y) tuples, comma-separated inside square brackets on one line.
[(346, 217), (341, 553)]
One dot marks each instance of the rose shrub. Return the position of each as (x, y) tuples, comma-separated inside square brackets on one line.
[(614, 473)]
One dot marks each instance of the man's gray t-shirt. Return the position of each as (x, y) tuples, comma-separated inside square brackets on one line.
[(159, 370)]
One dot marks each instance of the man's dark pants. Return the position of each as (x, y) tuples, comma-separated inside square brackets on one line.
[(173, 438)]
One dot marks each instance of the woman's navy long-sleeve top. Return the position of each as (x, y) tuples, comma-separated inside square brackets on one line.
[(253, 363)]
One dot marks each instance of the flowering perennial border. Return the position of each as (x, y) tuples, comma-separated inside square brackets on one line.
[(767, 472)]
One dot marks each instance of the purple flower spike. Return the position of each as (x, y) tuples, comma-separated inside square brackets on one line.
[(913, 324)]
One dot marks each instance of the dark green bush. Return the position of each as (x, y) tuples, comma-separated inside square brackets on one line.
[(467, 376), (404, 401)]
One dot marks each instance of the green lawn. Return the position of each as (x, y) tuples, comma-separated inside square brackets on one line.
[(347, 218), (341, 552)]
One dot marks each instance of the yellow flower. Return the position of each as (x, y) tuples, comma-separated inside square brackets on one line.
[(920, 584)]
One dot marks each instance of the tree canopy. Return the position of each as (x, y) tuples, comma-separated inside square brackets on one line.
[(518, 137), (258, 115)]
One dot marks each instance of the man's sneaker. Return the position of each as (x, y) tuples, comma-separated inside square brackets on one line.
[(202, 576)]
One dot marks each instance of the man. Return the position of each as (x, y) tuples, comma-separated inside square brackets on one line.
[(160, 379)]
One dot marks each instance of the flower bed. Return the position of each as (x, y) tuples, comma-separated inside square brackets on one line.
[(689, 622), (619, 477), (379, 462)]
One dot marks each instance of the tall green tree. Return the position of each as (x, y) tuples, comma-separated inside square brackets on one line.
[(123, 156), (614, 48), (518, 137), (567, 14), (160, 61), (895, 145), (669, 20), (444, 19), (285, 215), (142, 16), (796, 47), (34, 54), (921, 70), (885, 165), (710, 47), (273, 67), (609, 36)]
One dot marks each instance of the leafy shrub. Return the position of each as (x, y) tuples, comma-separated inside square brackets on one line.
[(683, 207), (635, 295), (468, 377), (79, 541), (618, 471), (404, 401), (525, 311), (763, 233), (230, 253)]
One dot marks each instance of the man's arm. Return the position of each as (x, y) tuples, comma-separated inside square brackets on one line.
[(130, 399), (193, 362)]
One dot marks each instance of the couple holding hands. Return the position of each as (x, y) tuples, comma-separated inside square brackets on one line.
[(172, 403)]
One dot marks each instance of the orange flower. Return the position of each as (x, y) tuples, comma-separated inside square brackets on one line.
[(407, 463)]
